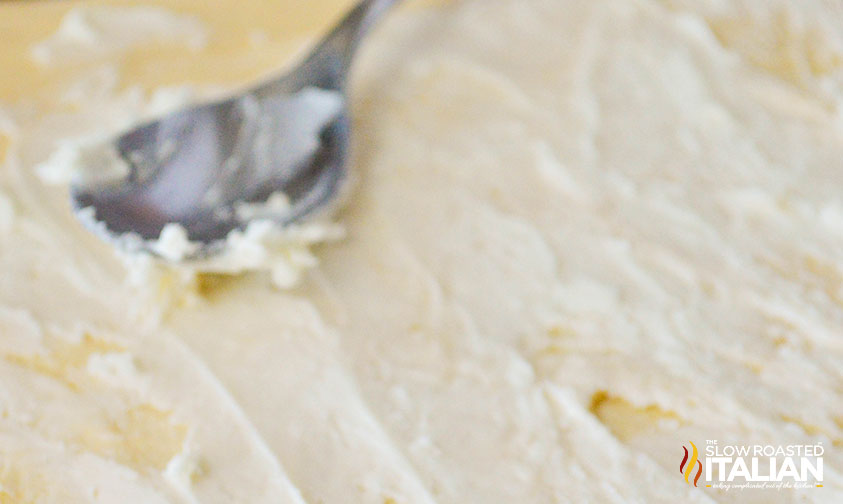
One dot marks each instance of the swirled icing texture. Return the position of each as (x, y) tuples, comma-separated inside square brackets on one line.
[(582, 233)]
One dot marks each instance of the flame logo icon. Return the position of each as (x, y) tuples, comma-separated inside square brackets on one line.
[(687, 466)]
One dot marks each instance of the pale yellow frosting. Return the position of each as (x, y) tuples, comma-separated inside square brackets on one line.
[(581, 234)]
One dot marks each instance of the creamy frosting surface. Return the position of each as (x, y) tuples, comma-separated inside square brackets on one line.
[(581, 234)]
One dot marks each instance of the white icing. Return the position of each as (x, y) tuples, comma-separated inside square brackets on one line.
[(87, 163), (173, 244), (91, 32), (584, 234), (7, 215)]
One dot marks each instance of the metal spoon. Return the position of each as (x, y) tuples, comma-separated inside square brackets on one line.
[(198, 166)]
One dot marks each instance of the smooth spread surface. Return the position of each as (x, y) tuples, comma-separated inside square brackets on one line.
[(582, 234)]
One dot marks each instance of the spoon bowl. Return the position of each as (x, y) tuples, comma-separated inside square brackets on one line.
[(198, 167)]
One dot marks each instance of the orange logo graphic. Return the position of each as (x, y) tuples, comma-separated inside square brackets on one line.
[(687, 466)]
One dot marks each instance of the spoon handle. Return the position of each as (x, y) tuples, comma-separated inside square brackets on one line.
[(327, 65), (332, 57), (346, 36)]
